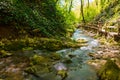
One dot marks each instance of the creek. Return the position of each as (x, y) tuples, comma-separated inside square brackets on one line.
[(79, 69), (76, 66), (72, 60)]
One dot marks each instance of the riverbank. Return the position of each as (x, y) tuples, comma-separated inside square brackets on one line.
[(68, 64), (108, 47), (107, 55)]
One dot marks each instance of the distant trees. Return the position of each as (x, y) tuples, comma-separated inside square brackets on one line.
[(66, 4)]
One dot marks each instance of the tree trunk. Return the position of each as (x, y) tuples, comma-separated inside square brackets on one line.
[(88, 8), (88, 3), (82, 13), (96, 1), (70, 6)]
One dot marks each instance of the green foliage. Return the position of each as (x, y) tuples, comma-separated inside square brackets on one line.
[(69, 16), (90, 13), (4, 53), (42, 15), (108, 10), (102, 10)]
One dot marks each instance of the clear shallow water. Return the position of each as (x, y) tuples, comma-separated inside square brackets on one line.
[(79, 34), (77, 69)]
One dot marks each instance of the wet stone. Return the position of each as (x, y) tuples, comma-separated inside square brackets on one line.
[(60, 66)]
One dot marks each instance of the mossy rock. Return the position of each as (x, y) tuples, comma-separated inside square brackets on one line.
[(62, 73), (39, 65), (40, 60), (42, 64), (110, 71), (54, 56), (81, 41), (37, 70)]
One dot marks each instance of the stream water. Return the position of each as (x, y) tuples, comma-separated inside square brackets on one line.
[(77, 69), (73, 61)]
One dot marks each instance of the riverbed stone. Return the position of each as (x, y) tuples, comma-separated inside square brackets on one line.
[(62, 73), (96, 63), (82, 41)]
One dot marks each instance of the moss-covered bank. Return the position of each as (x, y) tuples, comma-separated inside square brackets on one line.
[(110, 71), (37, 43)]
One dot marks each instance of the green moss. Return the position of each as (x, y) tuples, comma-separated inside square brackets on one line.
[(37, 69), (54, 56), (62, 73), (27, 48), (81, 41), (28, 43), (40, 60), (110, 71), (39, 65), (42, 64)]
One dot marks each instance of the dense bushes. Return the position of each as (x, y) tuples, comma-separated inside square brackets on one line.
[(40, 14)]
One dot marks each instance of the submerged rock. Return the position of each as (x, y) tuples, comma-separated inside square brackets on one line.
[(62, 73), (94, 43), (61, 70), (60, 66), (84, 48)]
